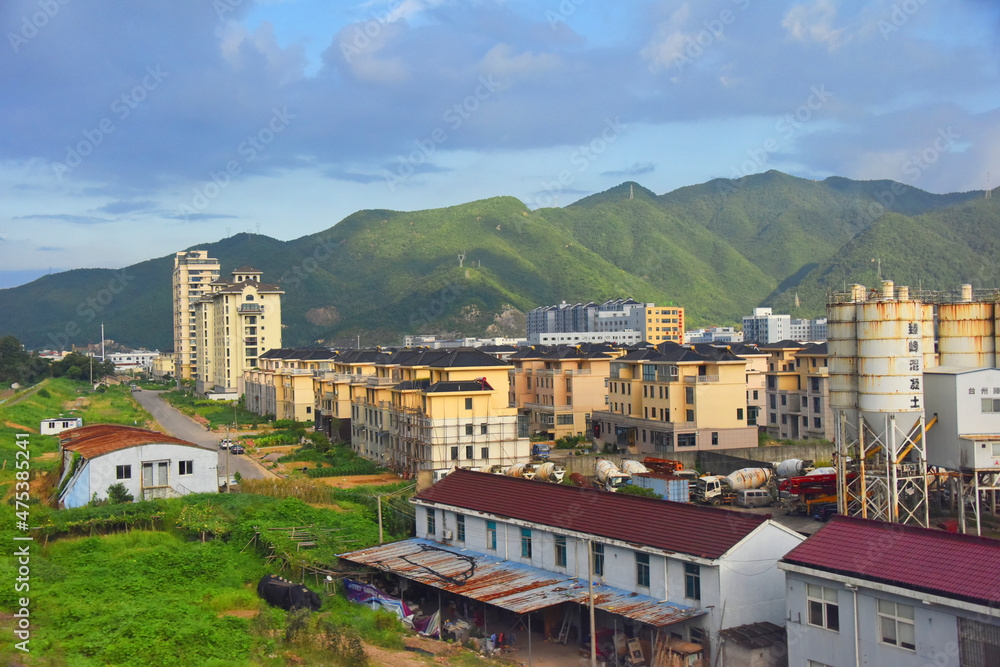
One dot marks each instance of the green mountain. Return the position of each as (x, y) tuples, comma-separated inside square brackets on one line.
[(719, 249)]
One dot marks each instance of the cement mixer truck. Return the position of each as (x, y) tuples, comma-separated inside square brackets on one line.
[(719, 490), (631, 467), (609, 477), (549, 472), (524, 470)]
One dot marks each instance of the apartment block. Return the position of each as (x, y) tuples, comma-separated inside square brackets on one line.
[(235, 322), (765, 327), (336, 389), (676, 398), (713, 335), (194, 270), (436, 410), (625, 320), (557, 389), (798, 391), (282, 383)]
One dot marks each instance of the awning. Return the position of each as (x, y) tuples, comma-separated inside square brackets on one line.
[(509, 585)]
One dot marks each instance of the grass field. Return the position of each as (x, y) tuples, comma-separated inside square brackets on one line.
[(135, 584), (218, 413)]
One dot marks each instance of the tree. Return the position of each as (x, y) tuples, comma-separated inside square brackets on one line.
[(630, 490), (17, 364), (118, 494)]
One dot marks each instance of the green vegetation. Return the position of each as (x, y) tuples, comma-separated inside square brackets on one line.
[(336, 461), (717, 248), (572, 441), (218, 413), (631, 490)]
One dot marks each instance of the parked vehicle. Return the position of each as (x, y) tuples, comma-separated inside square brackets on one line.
[(792, 468), (719, 490), (525, 470), (549, 472), (754, 498), (237, 448), (824, 511), (541, 450), (609, 477), (225, 443)]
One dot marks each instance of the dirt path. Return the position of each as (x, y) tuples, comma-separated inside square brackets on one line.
[(359, 480)]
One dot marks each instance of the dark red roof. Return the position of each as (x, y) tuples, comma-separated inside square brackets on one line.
[(963, 567), (675, 527)]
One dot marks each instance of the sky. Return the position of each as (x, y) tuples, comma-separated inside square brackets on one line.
[(132, 130)]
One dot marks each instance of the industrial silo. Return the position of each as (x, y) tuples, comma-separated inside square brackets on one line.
[(890, 361), (966, 332), (842, 348)]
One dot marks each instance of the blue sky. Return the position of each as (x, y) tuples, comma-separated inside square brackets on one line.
[(132, 130)]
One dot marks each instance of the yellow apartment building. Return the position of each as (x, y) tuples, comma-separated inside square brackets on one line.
[(281, 386), (235, 322), (335, 390), (557, 389), (757, 365), (676, 398), (438, 409), (798, 391), (163, 365), (194, 270)]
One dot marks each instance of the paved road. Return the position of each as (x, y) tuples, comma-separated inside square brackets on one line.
[(181, 426)]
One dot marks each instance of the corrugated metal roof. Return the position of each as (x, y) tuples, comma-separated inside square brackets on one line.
[(697, 530), (963, 567), (91, 441), (509, 585), (755, 635)]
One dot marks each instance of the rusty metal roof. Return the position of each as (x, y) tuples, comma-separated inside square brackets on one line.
[(509, 585), (98, 439)]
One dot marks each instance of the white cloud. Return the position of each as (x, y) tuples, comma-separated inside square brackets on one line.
[(813, 22)]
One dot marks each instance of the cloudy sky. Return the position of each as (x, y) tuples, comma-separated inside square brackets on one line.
[(135, 129)]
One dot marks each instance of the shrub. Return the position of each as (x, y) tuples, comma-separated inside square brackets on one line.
[(630, 490), (118, 494)]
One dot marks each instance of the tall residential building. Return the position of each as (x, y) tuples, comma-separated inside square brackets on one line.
[(628, 318), (765, 327), (235, 322), (798, 391), (194, 270)]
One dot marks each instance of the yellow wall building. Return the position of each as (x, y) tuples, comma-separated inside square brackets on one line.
[(436, 410), (194, 270), (557, 389), (282, 385), (798, 391), (335, 389), (163, 365), (676, 398), (235, 322)]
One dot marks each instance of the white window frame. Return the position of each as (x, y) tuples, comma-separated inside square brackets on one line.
[(889, 616), (825, 598)]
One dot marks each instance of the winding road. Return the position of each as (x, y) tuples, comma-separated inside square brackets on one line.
[(179, 425)]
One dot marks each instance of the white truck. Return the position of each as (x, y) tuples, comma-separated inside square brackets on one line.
[(609, 477), (719, 490)]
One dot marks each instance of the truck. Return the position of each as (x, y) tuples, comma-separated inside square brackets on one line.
[(792, 468), (631, 467), (541, 450), (525, 470), (609, 477), (549, 472), (719, 490)]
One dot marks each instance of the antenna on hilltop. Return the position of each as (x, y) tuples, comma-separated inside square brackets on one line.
[(461, 259), (989, 193), (631, 191)]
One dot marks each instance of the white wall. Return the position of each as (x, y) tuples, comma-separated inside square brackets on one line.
[(101, 470), (751, 583)]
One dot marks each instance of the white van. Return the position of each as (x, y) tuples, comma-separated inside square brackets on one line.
[(754, 498)]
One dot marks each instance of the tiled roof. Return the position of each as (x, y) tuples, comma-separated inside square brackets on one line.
[(98, 439), (299, 353), (962, 567), (701, 531), (466, 357), (781, 345), (456, 386), (246, 268)]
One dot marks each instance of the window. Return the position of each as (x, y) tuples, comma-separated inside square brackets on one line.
[(185, 467), (431, 522), (686, 440), (491, 535), (460, 527), (470, 452), (468, 404), (784, 399), (689, 394), (483, 429), (822, 607), (642, 569), (648, 373), (817, 404), (815, 383), (123, 472), (755, 394), (454, 453), (526, 543), (715, 437), (895, 622), (560, 550), (468, 429), (598, 553), (689, 415), (817, 422), (692, 581), (784, 419), (991, 405), (485, 452)]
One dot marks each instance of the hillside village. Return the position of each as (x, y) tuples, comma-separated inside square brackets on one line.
[(610, 487)]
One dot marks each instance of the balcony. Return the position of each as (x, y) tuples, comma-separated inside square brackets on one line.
[(249, 340), (546, 406), (577, 371), (549, 372), (700, 379), (379, 381), (250, 308)]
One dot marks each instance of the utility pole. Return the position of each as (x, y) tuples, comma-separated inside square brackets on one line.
[(379, 518), (590, 586), (228, 453)]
